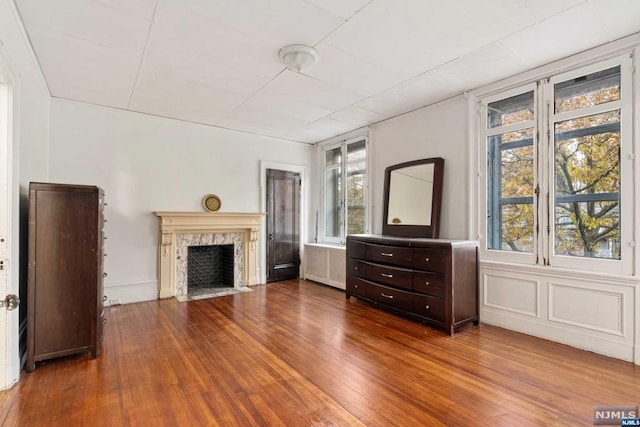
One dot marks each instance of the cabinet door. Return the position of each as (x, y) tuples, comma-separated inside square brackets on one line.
[(65, 271), (429, 283), (430, 259), (429, 307)]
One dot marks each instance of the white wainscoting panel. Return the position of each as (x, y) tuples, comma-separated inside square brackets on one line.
[(593, 312), (325, 264), (587, 307), (512, 293)]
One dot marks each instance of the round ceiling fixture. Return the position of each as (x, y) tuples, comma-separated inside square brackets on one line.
[(298, 57)]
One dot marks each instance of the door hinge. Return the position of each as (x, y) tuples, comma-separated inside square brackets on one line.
[(1, 265)]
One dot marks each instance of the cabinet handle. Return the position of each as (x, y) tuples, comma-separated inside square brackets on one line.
[(386, 254), (426, 283), (355, 268), (427, 307), (356, 286), (387, 275), (386, 296), (426, 259)]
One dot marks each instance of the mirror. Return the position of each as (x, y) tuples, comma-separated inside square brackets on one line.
[(412, 198)]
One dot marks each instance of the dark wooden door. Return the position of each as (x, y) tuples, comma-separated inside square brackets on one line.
[(283, 225)]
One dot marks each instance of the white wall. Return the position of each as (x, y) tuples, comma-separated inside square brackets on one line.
[(146, 163), (28, 161), (438, 130)]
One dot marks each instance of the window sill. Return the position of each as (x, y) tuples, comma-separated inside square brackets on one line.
[(540, 270), (328, 245)]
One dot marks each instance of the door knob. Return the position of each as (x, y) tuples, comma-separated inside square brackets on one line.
[(11, 302), (270, 236)]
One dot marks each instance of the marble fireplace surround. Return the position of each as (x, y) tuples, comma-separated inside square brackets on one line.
[(178, 229)]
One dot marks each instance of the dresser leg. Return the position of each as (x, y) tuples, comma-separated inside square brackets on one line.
[(348, 295)]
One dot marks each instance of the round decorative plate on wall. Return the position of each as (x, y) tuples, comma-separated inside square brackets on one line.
[(211, 202)]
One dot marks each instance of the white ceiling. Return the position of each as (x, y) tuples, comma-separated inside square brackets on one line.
[(216, 61)]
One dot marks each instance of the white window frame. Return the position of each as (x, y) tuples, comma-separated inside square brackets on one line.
[(544, 164), (625, 104), (322, 149), (484, 132)]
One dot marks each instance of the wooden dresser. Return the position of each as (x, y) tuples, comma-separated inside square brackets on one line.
[(433, 281), (65, 271)]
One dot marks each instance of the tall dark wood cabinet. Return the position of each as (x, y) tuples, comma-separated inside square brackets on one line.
[(433, 281), (65, 271)]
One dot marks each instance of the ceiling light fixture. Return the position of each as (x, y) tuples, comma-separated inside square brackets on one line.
[(298, 57)]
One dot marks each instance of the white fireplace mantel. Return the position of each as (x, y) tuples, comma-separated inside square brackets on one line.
[(174, 223)]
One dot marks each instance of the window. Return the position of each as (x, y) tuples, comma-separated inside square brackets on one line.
[(553, 151), (511, 173), (345, 194)]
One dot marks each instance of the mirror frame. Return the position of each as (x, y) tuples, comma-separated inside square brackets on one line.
[(413, 230)]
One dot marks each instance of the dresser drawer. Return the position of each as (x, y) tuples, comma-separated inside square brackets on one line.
[(390, 296), (390, 254), (394, 276), (430, 259), (429, 283), (431, 307)]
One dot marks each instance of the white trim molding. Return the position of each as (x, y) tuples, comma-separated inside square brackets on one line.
[(130, 291)]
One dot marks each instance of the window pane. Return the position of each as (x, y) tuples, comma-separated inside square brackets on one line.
[(516, 109), (333, 157), (356, 151), (345, 189), (516, 228), (511, 191), (356, 172), (588, 229), (587, 186), (517, 172), (355, 200), (585, 91), (332, 203)]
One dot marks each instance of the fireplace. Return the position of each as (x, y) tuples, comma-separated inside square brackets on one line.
[(209, 267), (181, 232)]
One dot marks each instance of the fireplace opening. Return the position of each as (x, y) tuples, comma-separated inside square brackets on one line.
[(209, 267)]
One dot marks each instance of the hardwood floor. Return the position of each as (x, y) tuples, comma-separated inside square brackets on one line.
[(296, 353)]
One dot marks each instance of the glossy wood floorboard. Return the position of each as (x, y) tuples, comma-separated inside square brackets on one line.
[(296, 353)]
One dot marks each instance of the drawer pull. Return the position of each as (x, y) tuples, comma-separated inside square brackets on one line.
[(386, 254), (426, 259), (386, 296), (426, 283), (355, 268), (356, 286), (427, 307), (387, 275)]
